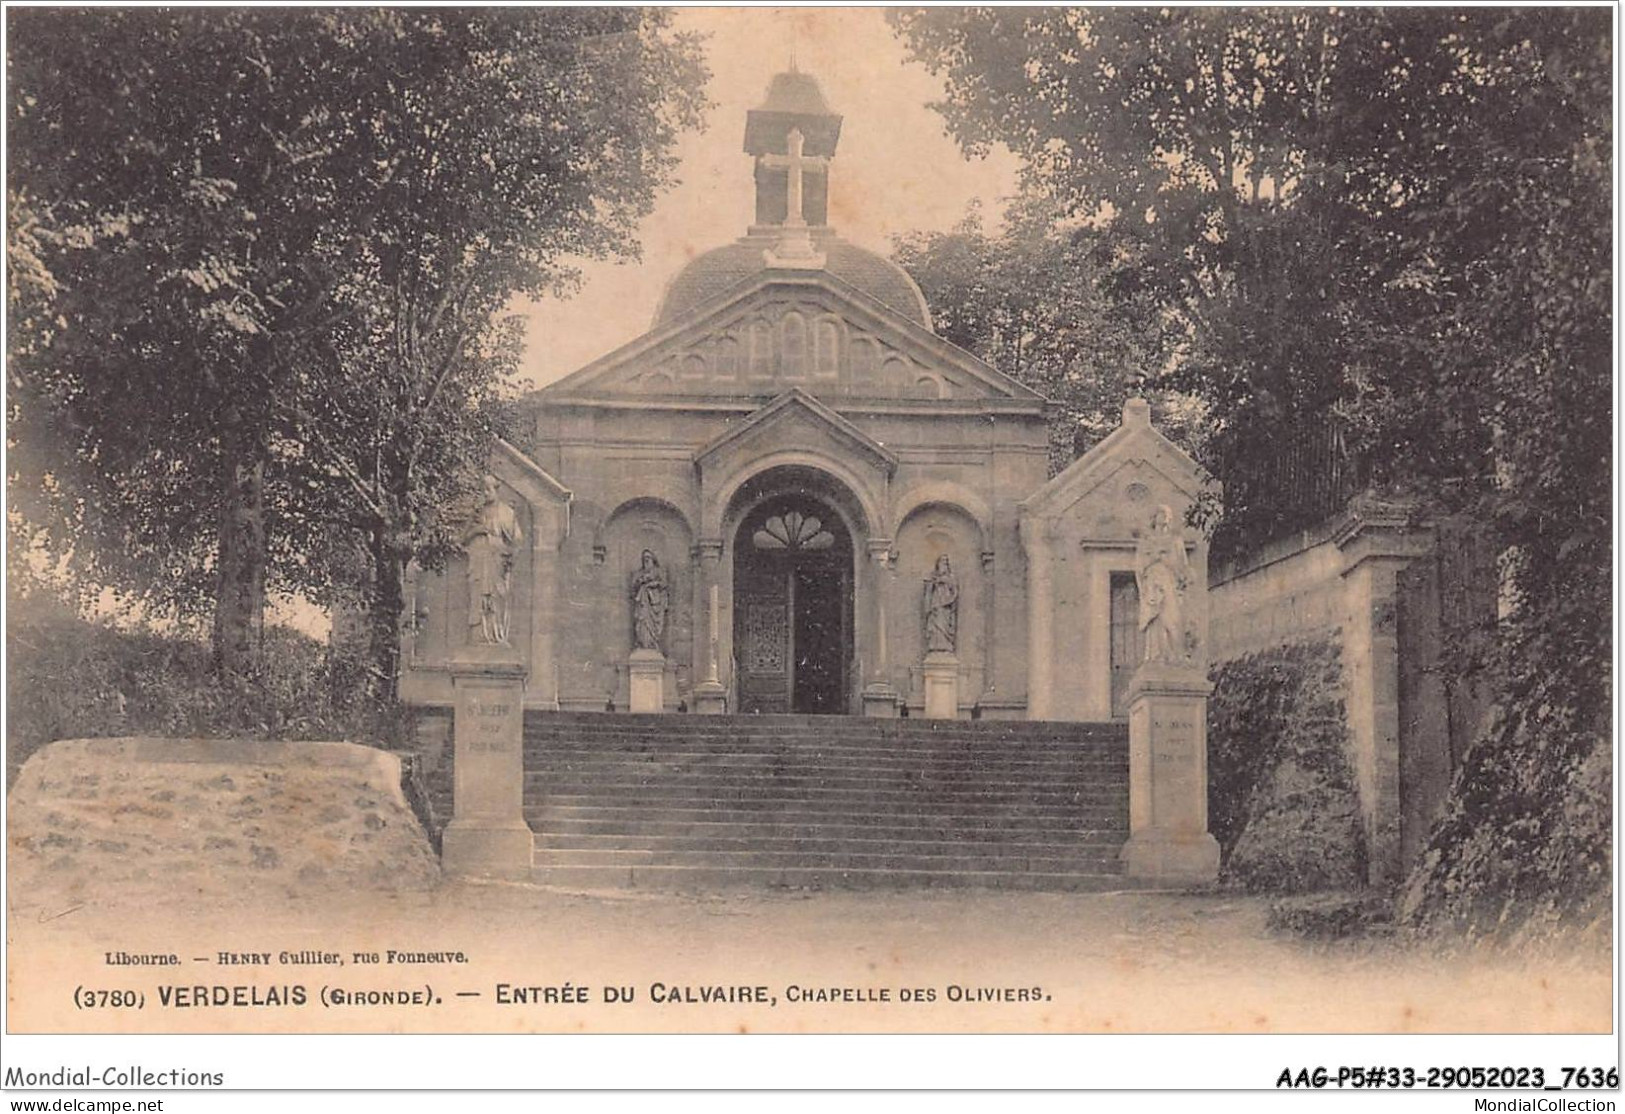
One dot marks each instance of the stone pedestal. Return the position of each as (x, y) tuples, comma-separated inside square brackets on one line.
[(710, 699), (880, 701), (941, 685), (648, 671), (1169, 839), (488, 836)]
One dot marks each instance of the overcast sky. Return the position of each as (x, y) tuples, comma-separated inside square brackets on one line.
[(895, 170)]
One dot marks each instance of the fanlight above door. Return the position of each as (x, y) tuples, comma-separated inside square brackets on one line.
[(793, 530)]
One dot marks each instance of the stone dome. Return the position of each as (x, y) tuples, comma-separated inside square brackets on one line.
[(721, 269)]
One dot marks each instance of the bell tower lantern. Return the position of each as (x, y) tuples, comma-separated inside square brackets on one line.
[(793, 136)]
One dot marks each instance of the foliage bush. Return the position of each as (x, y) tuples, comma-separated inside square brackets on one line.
[(1523, 851), (1282, 801), (68, 678)]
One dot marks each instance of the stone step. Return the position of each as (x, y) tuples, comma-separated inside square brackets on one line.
[(863, 736), (836, 734), (643, 827), (710, 878), (1104, 843), (906, 799), (773, 795), (907, 743), (682, 721), (558, 787), (797, 812), (822, 756), (767, 752), (1095, 863), (677, 802), (949, 814), (796, 773), (547, 779)]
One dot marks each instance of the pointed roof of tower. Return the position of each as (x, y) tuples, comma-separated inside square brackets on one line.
[(793, 101), (794, 91)]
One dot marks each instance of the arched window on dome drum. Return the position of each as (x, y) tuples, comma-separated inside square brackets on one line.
[(727, 358), (827, 348), (793, 345), (761, 350), (894, 376), (865, 361), (926, 386)]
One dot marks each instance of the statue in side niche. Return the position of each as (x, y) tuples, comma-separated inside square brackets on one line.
[(941, 605), (490, 543), (651, 599), (1162, 572)]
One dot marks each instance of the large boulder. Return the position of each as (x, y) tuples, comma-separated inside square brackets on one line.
[(172, 821)]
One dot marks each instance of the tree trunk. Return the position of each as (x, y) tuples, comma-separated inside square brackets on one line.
[(386, 608), (239, 615)]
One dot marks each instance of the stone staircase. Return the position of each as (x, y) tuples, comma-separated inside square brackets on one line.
[(705, 802)]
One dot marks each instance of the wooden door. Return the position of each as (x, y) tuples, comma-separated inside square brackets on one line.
[(763, 609), (818, 639)]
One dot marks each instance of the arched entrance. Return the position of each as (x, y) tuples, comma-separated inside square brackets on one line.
[(793, 617)]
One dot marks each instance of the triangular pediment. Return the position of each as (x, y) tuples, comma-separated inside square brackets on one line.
[(792, 330), (795, 420), (548, 499), (1135, 464), (524, 475)]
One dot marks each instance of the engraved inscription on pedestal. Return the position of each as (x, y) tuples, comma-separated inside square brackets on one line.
[(487, 730), (488, 835), (1174, 780), (496, 729)]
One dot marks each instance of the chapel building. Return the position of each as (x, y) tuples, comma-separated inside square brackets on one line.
[(790, 495)]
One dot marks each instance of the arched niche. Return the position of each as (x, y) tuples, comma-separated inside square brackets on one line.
[(659, 527), (920, 494), (930, 531)]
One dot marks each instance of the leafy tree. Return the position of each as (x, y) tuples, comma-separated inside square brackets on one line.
[(499, 145), (1055, 305), (161, 242), (1253, 159), (1398, 217), (334, 207)]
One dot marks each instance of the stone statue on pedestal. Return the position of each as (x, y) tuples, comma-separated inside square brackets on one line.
[(490, 543), (1162, 573), (651, 598), (941, 605)]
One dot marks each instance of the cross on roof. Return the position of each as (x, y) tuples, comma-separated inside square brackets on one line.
[(795, 162)]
